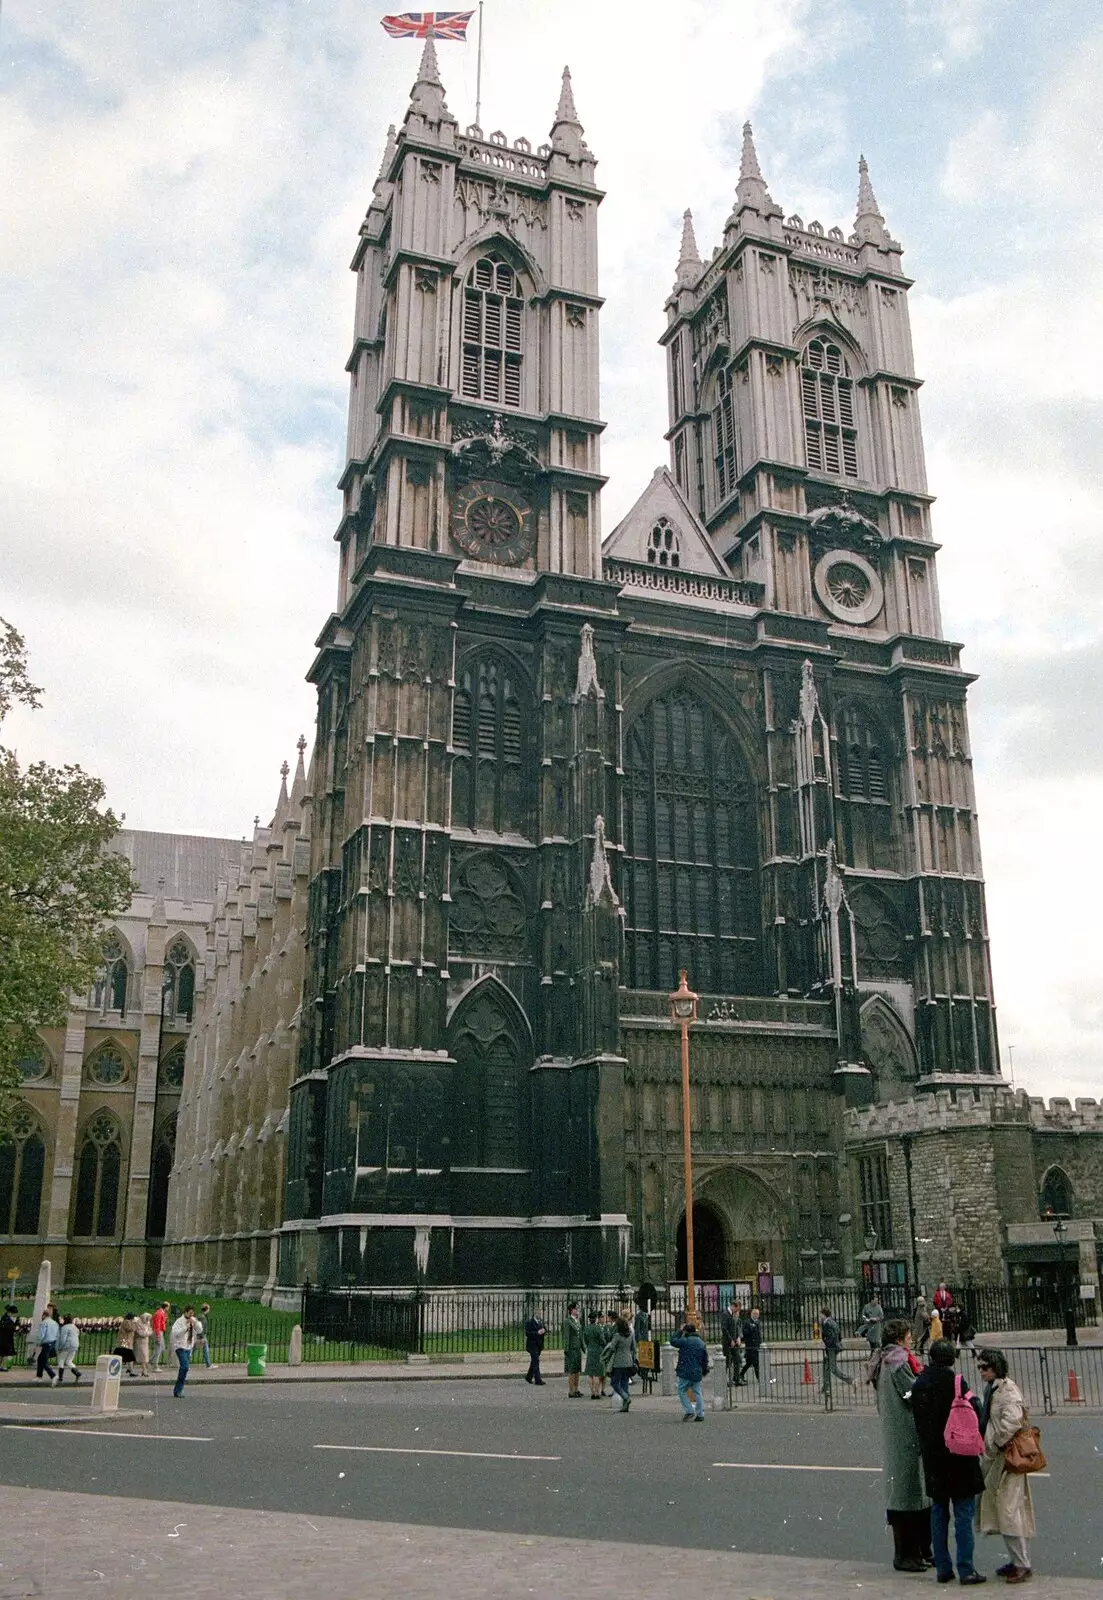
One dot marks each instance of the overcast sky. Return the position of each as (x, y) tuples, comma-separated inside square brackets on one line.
[(182, 186)]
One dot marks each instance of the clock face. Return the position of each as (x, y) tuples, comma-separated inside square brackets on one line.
[(493, 522)]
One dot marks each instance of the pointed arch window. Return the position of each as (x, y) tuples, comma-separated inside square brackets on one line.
[(863, 763), (112, 986), (493, 333), (691, 848), (864, 786), (490, 1111), (723, 437), (664, 546), (179, 981), (164, 1153), (99, 1168), (1056, 1197), (22, 1169), (489, 740), (828, 403)]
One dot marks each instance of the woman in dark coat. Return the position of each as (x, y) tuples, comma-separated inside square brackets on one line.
[(8, 1324), (907, 1508), (950, 1479)]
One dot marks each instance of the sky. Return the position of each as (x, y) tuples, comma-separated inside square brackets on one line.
[(183, 184)]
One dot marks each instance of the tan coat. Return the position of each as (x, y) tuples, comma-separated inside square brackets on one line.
[(1005, 1505)]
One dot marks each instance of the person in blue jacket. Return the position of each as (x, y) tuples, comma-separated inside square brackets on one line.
[(535, 1333), (693, 1364)]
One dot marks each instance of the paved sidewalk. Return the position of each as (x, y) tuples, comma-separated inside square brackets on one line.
[(66, 1543), (309, 1372), (58, 1416)]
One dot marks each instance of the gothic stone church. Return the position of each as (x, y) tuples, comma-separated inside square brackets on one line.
[(550, 772)]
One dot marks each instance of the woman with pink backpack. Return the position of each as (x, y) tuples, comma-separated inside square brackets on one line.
[(950, 1442)]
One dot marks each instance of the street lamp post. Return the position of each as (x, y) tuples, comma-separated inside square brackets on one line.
[(1060, 1233), (871, 1245), (683, 1012)]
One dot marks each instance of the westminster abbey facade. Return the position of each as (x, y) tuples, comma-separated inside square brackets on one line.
[(551, 772)]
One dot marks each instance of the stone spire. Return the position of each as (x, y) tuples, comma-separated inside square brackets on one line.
[(282, 804), (869, 224), (566, 133), (751, 193), (427, 94), (690, 265), (382, 186), (298, 783)]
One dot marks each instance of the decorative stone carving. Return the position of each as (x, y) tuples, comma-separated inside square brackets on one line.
[(848, 587), (488, 914), (599, 885), (587, 681)]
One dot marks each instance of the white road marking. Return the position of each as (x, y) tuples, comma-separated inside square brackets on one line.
[(787, 1466), (77, 1428), (396, 1450)]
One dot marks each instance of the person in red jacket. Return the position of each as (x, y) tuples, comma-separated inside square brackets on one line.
[(158, 1322), (943, 1299)]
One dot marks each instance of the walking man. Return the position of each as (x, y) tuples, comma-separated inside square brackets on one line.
[(9, 1323), (203, 1334), (183, 1343), (48, 1331), (731, 1338), (535, 1333), (693, 1365), (751, 1330), (873, 1320), (832, 1343), (68, 1343), (159, 1322)]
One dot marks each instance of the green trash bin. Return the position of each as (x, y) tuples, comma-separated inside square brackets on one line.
[(255, 1355)]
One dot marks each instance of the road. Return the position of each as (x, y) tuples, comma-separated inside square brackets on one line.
[(505, 1458)]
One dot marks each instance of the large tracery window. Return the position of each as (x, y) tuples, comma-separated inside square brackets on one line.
[(488, 737), (22, 1167), (110, 993), (493, 333), (827, 399), (179, 981), (691, 868), (490, 1119), (97, 1203)]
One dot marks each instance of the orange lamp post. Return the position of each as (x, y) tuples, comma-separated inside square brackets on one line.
[(683, 1012)]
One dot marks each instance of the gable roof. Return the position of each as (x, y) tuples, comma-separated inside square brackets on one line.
[(630, 540), (189, 863)]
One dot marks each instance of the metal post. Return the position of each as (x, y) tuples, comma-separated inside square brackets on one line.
[(479, 73), (683, 1011)]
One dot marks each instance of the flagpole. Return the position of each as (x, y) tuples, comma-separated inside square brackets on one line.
[(479, 73)]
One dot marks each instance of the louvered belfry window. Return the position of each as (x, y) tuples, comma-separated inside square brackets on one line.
[(691, 852), (723, 436), (827, 399), (493, 334), (489, 742)]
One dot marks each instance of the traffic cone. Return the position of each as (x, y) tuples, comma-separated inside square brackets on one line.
[(1074, 1398), (808, 1378)]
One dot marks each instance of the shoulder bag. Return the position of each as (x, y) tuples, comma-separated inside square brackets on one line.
[(1024, 1452)]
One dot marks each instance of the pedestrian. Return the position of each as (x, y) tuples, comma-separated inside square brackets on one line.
[(832, 1341), (572, 1350), (1006, 1506), (47, 1336), (942, 1297), (936, 1326), (951, 1478), (535, 1334), (124, 1345), (872, 1322), (143, 1332), (620, 1356), (692, 1368), (68, 1343), (159, 1322), (966, 1332), (751, 1333), (608, 1324), (203, 1337), (183, 1342), (907, 1509), (951, 1323), (731, 1342), (9, 1326), (593, 1337), (921, 1325)]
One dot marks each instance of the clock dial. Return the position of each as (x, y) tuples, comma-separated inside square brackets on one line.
[(493, 522)]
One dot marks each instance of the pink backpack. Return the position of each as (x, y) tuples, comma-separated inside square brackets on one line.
[(962, 1434)]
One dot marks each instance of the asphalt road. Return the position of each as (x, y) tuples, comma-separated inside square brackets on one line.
[(503, 1457)]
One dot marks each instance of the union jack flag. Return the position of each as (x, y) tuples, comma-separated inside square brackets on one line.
[(429, 24)]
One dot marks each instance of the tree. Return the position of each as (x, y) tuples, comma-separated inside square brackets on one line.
[(59, 884)]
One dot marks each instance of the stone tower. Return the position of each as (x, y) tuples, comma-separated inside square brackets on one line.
[(459, 1024)]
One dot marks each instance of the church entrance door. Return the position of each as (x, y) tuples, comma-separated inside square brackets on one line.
[(709, 1245)]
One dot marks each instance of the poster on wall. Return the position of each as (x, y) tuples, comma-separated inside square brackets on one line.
[(744, 1293), (677, 1297), (710, 1297), (727, 1295)]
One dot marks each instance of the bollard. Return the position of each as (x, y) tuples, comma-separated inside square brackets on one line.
[(666, 1375), (807, 1378), (718, 1371), (105, 1385), (255, 1356), (1075, 1398), (295, 1347)]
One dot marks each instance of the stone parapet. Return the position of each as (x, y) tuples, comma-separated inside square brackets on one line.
[(999, 1106)]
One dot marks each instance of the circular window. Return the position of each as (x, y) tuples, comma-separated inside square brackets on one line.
[(849, 587), (33, 1066), (172, 1069), (107, 1066)]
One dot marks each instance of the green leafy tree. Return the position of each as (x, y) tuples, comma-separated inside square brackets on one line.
[(59, 884)]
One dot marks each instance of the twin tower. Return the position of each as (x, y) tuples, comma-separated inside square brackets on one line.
[(551, 772)]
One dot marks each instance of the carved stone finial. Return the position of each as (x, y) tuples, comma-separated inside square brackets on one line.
[(565, 111), (566, 133), (869, 224), (587, 680), (300, 744), (599, 886), (284, 770), (429, 70), (427, 94), (690, 264), (833, 892), (751, 193), (748, 164)]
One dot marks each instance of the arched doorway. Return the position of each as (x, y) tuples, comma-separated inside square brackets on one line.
[(709, 1245)]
